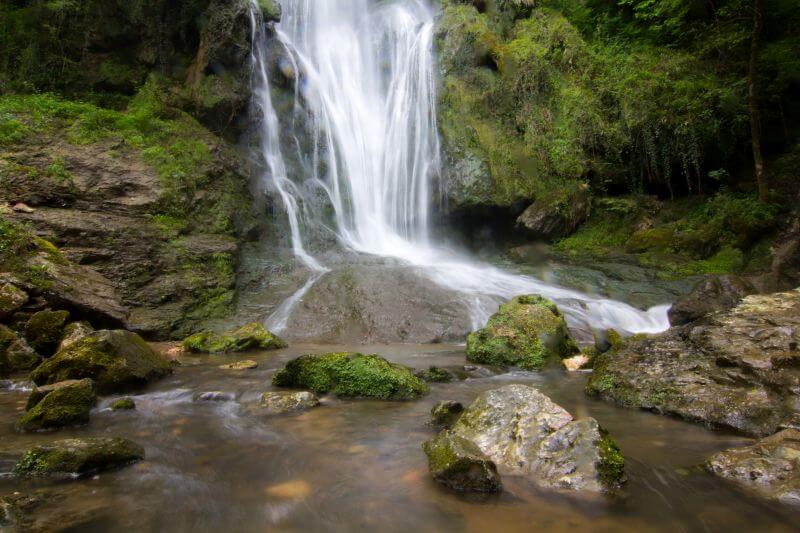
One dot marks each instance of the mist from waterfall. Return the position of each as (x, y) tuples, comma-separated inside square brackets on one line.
[(365, 89)]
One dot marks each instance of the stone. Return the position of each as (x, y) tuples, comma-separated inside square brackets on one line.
[(557, 214), (45, 329), (288, 402), (712, 294), (460, 465), (73, 333), (213, 396), (59, 405), (770, 467), (525, 332), (297, 489), (270, 10), (79, 457), (525, 434), (122, 404), (252, 336), (434, 374), (116, 360), (11, 299), (446, 412), (736, 370), (577, 362), (349, 374), (15, 353), (20, 207), (240, 365)]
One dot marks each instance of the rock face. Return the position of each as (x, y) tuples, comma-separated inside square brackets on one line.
[(116, 360), (737, 370), (525, 332), (288, 402), (249, 337), (770, 467), (349, 374), (524, 433), (557, 214), (59, 405), (716, 293), (459, 464), (45, 329), (79, 457)]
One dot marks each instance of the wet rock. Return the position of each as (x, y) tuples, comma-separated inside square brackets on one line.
[(73, 333), (122, 404), (557, 214), (526, 434), (737, 370), (116, 360), (252, 336), (446, 412), (607, 339), (770, 467), (45, 329), (213, 396), (434, 374), (576, 362), (270, 10), (712, 294), (59, 405), (350, 374), (11, 299), (525, 332), (240, 365), (459, 464), (288, 402), (297, 489), (15, 354), (79, 457)]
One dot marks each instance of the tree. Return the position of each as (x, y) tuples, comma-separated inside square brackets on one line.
[(755, 112)]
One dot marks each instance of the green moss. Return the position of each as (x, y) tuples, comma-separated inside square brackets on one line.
[(251, 336), (122, 404), (460, 465), (65, 406), (351, 375), (434, 374), (78, 457), (525, 332), (612, 463), (45, 329)]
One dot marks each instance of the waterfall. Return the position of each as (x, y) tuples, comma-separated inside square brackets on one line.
[(365, 90)]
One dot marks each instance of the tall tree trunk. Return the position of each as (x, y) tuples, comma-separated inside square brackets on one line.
[(755, 113)]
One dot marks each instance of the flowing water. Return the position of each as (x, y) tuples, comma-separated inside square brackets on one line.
[(363, 123), (358, 465)]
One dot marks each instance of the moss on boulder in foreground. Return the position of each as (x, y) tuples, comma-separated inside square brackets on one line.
[(59, 405), (79, 457), (350, 374), (525, 332), (252, 336)]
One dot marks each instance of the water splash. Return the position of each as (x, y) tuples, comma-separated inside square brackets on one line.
[(365, 80)]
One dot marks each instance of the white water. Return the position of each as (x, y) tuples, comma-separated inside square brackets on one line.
[(366, 78)]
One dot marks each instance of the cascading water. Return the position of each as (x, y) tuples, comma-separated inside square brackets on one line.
[(365, 89)]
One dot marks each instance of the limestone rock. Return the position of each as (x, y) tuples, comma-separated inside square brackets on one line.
[(79, 457), (770, 467), (288, 402), (736, 370)]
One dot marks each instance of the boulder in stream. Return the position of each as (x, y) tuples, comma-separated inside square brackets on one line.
[(712, 294), (737, 370), (63, 404), (459, 464), (278, 403), (45, 329), (525, 332), (351, 375), (770, 467), (446, 412), (79, 457), (15, 353), (251, 336), (116, 360)]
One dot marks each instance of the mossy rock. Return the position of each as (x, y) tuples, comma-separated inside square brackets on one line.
[(525, 332), (434, 374), (78, 457), (288, 402), (612, 463), (459, 464), (60, 405), (116, 360), (75, 332), (252, 336), (350, 374), (15, 354), (11, 299), (45, 329), (122, 404), (446, 412), (270, 10)]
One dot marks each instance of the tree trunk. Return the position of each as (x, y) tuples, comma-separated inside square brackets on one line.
[(755, 113)]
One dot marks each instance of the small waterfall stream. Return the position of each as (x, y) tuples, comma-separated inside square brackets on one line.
[(365, 92)]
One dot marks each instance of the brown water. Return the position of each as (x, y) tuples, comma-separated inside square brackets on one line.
[(357, 465)]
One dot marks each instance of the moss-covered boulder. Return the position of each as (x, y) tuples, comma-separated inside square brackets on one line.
[(45, 329), (350, 374), (59, 405), (122, 404), (526, 434), (288, 402), (446, 412), (252, 336), (459, 464), (15, 353), (434, 374), (525, 332), (75, 332), (79, 457), (557, 213), (115, 359), (11, 299)]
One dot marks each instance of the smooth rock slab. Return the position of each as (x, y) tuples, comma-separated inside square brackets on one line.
[(770, 467), (288, 402), (79, 457)]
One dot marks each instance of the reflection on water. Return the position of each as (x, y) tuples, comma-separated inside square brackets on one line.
[(357, 465)]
